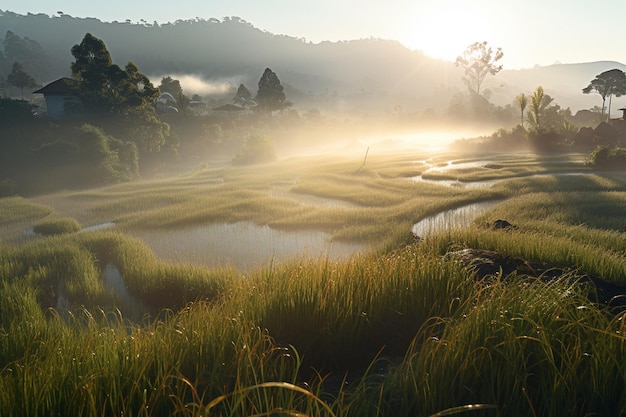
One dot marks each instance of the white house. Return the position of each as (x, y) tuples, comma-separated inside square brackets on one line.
[(60, 98)]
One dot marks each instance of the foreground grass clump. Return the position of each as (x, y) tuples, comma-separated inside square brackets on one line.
[(68, 270), (528, 348), (56, 226), (339, 315), (415, 334), (95, 365)]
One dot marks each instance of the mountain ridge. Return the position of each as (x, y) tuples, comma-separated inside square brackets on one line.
[(383, 72)]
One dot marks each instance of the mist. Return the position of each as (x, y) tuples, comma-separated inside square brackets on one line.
[(198, 84)]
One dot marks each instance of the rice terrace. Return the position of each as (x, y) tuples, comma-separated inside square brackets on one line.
[(389, 323), (199, 217)]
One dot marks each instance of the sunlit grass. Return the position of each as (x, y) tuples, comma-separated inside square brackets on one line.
[(398, 330), (527, 348), (13, 209), (378, 196), (56, 226)]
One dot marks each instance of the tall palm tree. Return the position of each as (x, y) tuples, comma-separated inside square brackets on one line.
[(539, 101), (522, 102)]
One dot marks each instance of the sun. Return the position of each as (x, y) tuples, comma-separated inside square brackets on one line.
[(445, 32)]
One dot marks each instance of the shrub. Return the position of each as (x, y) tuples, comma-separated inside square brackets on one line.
[(604, 157), (56, 226)]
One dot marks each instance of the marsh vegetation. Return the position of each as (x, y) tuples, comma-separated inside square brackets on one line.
[(103, 323)]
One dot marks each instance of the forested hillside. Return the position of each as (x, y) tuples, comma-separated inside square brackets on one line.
[(367, 73), (233, 50)]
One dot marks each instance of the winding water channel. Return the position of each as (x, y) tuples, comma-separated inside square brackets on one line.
[(454, 218), (246, 246)]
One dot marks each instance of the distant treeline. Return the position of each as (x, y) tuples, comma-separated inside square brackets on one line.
[(366, 74)]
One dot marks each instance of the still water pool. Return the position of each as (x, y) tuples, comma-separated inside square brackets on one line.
[(243, 245)]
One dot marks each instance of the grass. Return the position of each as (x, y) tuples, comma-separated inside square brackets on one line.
[(14, 209), (397, 331), (378, 195), (56, 226), (529, 348)]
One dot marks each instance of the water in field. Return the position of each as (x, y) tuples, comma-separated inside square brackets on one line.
[(243, 245), (450, 219)]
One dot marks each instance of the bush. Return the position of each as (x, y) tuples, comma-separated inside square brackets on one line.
[(56, 226), (604, 157), (13, 112)]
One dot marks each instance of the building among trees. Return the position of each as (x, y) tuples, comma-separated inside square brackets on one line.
[(61, 99)]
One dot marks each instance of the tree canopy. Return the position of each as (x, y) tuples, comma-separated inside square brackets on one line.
[(124, 97), (105, 86), (28, 52), (20, 78), (522, 102), (608, 84), (270, 96), (478, 61), (172, 86), (243, 96)]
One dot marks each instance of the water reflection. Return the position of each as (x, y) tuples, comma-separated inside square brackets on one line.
[(449, 219), (456, 183), (242, 245)]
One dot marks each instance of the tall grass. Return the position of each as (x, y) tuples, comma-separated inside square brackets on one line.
[(100, 365), (399, 331), (352, 309), (527, 348)]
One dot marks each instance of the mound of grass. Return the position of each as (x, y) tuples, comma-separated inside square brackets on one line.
[(56, 226)]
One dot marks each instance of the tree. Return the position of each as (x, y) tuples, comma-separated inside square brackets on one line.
[(27, 52), (539, 103), (123, 97), (243, 96), (608, 84), (270, 96), (172, 86), (16, 112), (522, 102), (93, 66), (478, 61), (20, 79), (105, 86)]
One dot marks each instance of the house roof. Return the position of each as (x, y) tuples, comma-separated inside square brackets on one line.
[(61, 86), (229, 107)]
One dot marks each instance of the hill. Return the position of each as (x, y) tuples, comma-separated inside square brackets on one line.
[(366, 74)]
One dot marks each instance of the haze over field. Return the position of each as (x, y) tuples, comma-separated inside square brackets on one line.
[(363, 75)]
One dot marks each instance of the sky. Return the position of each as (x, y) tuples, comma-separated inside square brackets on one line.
[(530, 32)]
